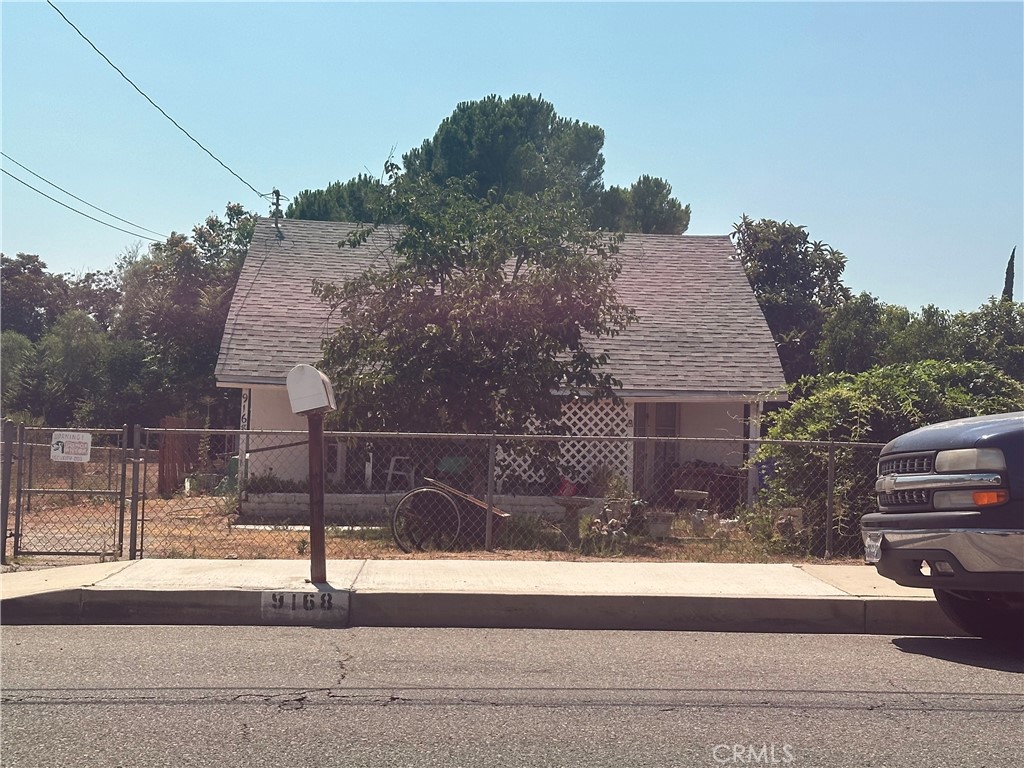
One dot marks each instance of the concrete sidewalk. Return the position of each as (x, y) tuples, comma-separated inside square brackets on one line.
[(475, 593)]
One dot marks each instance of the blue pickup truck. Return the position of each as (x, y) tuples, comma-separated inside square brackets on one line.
[(951, 519)]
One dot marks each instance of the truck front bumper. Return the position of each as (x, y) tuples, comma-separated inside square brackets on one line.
[(952, 558)]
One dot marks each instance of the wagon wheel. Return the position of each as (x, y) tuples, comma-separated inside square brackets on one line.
[(426, 520)]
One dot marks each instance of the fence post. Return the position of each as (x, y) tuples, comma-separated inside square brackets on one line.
[(492, 449), (830, 500), (133, 536), (18, 488), (317, 534), (5, 484), (122, 486)]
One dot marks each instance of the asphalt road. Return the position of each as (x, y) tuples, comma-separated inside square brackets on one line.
[(212, 696)]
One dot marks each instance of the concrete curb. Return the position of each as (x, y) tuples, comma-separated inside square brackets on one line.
[(229, 607)]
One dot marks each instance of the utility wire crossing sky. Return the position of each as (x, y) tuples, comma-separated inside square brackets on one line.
[(893, 132)]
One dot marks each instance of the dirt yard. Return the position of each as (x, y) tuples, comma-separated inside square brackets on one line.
[(205, 527)]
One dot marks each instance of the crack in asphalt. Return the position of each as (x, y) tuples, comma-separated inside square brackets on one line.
[(297, 700)]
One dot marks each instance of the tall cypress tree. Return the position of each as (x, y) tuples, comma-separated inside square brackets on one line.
[(1008, 282)]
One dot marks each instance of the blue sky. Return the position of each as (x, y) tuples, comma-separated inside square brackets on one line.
[(893, 132)]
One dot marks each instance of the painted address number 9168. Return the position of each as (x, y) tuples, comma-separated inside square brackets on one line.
[(304, 607), (301, 602)]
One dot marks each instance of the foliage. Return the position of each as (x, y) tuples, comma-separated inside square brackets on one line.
[(134, 392), (796, 281), (910, 337), (514, 145), (486, 312), (15, 349), (994, 334), (851, 337), (1007, 294), (131, 344), (33, 298), (884, 402), (98, 294), (647, 206), (62, 370), (357, 199), (501, 147), (874, 406), (176, 300), (864, 332)]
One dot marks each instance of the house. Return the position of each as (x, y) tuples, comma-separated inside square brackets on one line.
[(700, 361)]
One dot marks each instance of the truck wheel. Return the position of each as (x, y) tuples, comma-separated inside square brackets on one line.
[(992, 616)]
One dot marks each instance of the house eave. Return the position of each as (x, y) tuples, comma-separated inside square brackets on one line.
[(649, 395), (703, 396), (247, 382)]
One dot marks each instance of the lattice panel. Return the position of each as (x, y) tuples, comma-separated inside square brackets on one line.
[(579, 458), (608, 420)]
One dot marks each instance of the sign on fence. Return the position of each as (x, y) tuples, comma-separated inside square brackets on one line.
[(71, 446)]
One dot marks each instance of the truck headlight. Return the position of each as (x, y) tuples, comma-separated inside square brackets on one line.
[(970, 460)]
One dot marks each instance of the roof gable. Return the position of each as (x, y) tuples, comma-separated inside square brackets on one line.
[(700, 329)]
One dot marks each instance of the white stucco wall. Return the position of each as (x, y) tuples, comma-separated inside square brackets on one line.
[(711, 420), (271, 410)]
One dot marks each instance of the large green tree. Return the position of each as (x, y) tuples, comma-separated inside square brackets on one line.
[(176, 300), (994, 333), (797, 282), (64, 369), (488, 311), (518, 145), (864, 332), (359, 200), (15, 350), (911, 337), (852, 336), (130, 344), (646, 206), (33, 298)]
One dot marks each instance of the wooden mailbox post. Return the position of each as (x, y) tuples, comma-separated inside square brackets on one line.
[(310, 394)]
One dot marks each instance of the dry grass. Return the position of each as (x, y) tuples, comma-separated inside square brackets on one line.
[(205, 528)]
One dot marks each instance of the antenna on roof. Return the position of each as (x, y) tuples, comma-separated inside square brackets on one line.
[(275, 212)]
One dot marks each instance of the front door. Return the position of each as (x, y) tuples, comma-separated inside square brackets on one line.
[(655, 459)]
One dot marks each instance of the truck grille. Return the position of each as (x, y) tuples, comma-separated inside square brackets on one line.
[(911, 464), (904, 499), (906, 464)]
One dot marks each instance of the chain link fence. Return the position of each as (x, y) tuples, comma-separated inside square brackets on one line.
[(230, 494), (68, 502)]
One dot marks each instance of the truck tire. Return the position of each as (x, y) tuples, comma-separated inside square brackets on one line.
[(991, 616)]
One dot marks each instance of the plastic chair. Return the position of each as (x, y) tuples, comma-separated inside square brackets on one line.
[(401, 466)]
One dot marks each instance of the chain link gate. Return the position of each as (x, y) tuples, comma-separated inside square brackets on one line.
[(70, 507)]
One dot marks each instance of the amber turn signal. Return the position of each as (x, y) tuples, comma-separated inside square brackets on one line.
[(988, 498)]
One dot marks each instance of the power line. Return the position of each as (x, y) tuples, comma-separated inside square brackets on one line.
[(80, 213), (86, 202), (157, 106)]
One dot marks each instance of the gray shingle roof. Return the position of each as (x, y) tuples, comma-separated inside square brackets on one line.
[(700, 329)]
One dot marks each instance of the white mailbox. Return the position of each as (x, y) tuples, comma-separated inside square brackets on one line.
[(309, 390)]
